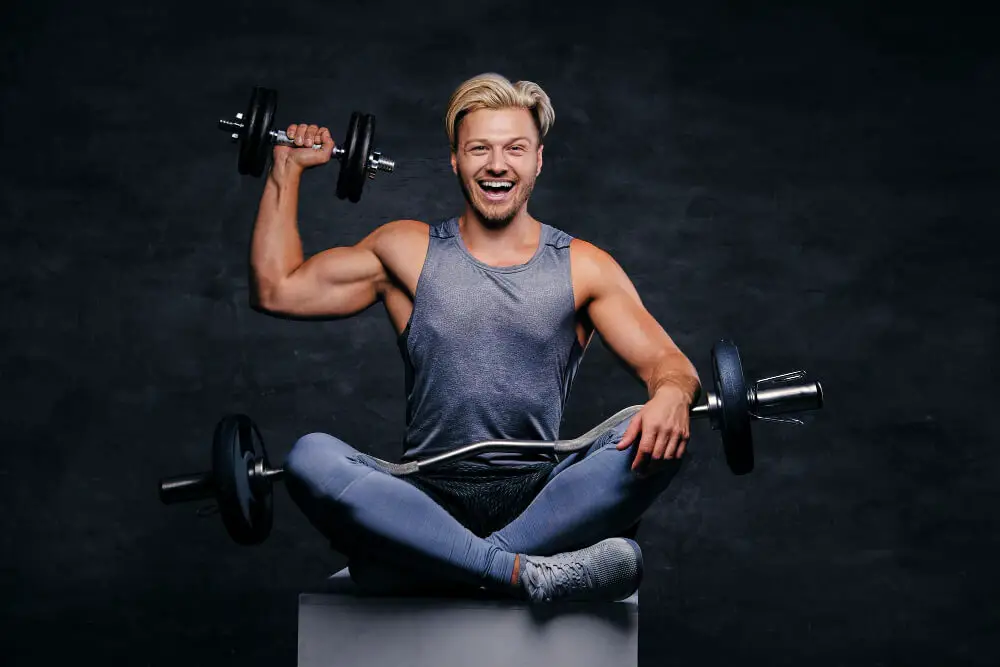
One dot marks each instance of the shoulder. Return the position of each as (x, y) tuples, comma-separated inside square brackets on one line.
[(398, 242), (591, 259), (406, 228), (400, 246), (395, 234), (595, 270)]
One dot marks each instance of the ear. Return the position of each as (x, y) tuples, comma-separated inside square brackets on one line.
[(454, 163), (539, 169)]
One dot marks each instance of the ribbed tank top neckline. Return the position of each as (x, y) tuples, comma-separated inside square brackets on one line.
[(451, 227)]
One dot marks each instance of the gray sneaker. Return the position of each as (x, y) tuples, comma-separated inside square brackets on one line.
[(609, 570)]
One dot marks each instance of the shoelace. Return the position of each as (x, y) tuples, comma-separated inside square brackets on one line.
[(560, 577)]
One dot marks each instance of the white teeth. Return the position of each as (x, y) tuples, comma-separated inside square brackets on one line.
[(497, 184)]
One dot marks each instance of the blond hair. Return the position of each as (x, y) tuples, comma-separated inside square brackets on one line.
[(493, 91)]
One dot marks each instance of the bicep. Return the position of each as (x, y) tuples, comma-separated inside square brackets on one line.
[(619, 316), (337, 282)]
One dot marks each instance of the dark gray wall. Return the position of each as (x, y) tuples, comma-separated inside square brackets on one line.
[(816, 184)]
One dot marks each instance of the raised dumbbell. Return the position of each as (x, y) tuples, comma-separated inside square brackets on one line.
[(255, 133), (241, 478)]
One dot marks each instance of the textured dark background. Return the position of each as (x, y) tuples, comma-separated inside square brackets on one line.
[(817, 184)]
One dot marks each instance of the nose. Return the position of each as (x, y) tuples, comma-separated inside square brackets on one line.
[(497, 165)]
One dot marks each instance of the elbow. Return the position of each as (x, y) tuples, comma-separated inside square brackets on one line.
[(264, 297), (259, 306)]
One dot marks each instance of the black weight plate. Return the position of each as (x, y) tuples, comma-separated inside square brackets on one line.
[(348, 159), (250, 136), (734, 410), (264, 143), (359, 172), (246, 510)]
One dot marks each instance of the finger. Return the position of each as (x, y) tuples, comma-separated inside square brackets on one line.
[(639, 459), (662, 443), (300, 134), (682, 447), (630, 433), (290, 132), (671, 449), (644, 450), (325, 138), (639, 462), (650, 466), (310, 138)]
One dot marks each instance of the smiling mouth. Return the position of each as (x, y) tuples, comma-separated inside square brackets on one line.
[(496, 190)]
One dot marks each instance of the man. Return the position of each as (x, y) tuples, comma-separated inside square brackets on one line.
[(494, 310)]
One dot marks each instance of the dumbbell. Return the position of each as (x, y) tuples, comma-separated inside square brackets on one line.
[(255, 133), (241, 478)]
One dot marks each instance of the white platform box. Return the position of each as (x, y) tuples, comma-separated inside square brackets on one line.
[(341, 628)]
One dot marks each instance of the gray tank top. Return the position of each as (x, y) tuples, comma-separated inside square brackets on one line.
[(489, 352)]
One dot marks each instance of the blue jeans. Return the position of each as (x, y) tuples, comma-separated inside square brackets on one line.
[(391, 530)]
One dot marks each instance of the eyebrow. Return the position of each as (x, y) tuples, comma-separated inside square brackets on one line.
[(484, 141)]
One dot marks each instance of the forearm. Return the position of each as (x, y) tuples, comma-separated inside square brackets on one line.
[(276, 246), (674, 371)]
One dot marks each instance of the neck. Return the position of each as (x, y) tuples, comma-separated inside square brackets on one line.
[(522, 230)]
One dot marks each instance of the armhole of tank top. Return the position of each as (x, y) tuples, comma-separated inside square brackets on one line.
[(403, 339), (577, 350), (560, 236)]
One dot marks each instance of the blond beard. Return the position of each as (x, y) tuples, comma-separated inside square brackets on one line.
[(494, 221)]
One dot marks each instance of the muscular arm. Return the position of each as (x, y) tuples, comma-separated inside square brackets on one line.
[(627, 328), (338, 282)]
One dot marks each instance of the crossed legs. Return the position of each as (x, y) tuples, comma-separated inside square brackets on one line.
[(388, 527)]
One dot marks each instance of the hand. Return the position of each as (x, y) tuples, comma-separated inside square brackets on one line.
[(303, 155), (665, 427)]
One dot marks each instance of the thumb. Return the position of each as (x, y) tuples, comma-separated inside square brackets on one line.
[(630, 433)]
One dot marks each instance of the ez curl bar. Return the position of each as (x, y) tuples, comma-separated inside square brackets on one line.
[(241, 479)]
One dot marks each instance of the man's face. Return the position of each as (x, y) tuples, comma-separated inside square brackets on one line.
[(497, 160)]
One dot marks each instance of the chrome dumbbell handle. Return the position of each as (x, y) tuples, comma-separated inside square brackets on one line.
[(277, 136), (376, 161), (281, 138)]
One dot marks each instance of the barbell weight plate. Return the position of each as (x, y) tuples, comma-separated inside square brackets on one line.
[(264, 144), (347, 160), (359, 171), (246, 508), (734, 407), (251, 134)]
